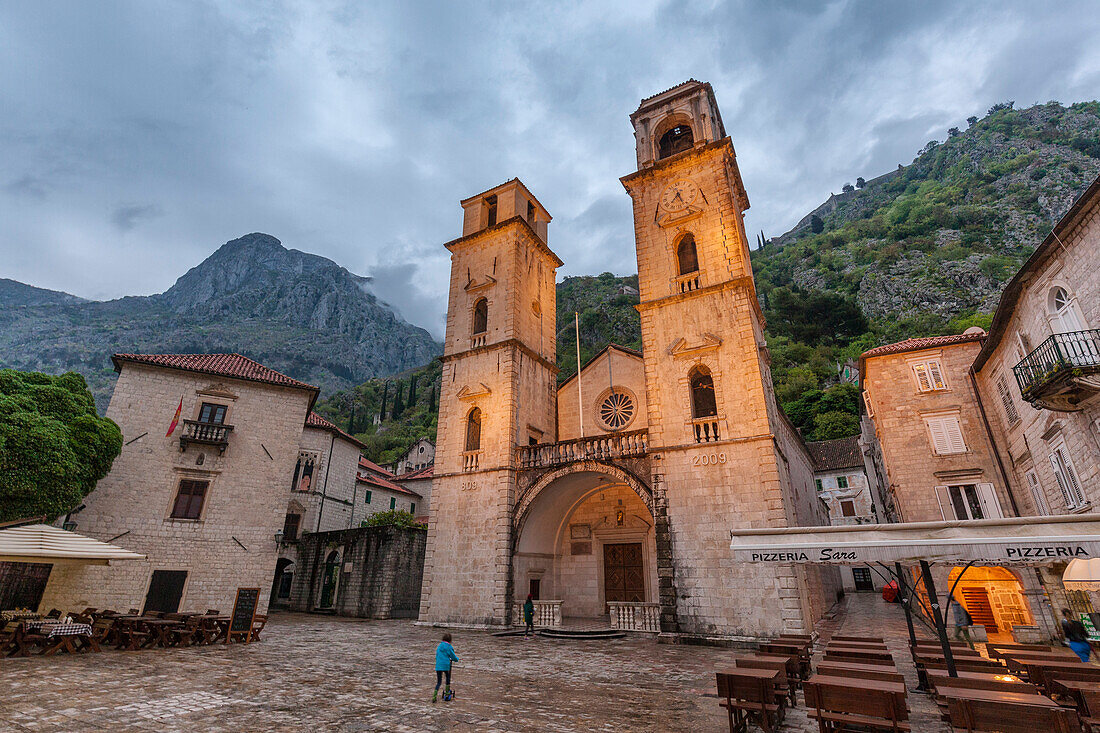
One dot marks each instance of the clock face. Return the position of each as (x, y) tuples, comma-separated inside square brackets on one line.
[(679, 195)]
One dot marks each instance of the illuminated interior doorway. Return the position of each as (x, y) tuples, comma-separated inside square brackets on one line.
[(993, 597)]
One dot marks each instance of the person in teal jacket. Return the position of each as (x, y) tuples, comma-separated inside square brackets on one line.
[(444, 656)]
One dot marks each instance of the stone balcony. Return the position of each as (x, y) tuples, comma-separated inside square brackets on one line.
[(599, 448), (205, 433), (1063, 372)]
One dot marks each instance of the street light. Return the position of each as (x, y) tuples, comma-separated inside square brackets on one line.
[(279, 536)]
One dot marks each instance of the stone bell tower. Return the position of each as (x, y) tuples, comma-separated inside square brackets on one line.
[(498, 392), (723, 450)]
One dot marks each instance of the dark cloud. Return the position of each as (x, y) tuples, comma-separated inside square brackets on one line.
[(352, 130), (129, 216)]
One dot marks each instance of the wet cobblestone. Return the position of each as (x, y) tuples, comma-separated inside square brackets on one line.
[(318, 673)]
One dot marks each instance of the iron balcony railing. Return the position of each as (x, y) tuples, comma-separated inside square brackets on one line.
[(1061, 353), (598, 447), (205, 433)]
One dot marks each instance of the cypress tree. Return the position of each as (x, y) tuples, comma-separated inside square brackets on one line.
[(412, 391), (385, 391), (398, 406), (431, 401)]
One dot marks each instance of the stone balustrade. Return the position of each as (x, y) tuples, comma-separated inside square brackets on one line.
[(470, 460), (635, 616), (598, 447), (547, 614)]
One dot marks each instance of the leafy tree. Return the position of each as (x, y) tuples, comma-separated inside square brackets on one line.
[(971, 120), (815, 317), (833, 425), (848, 188), (1000, 106), (53, 445), (392, 518), (816, 225), (799, 380), (860, 183), (953, 132)]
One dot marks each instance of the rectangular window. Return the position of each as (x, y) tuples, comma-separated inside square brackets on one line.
[(366, 498), (393, 503), (929, 375), (1007, 402), (290, 527), (848, 508), (969, 501), (946, 435), (412, 507), (212, 413), (817, 482), (1037, 494), (490, 211), (189, 499), (1066, 476), (842, 482)]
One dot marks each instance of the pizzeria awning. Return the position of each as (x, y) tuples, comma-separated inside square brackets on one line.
[(41, 543), (1012, 541)]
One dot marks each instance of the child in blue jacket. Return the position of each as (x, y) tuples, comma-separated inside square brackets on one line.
[(444, 656)]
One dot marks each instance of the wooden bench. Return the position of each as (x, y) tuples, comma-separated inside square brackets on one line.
[(842, 637), (860, 671), (258, 623), (996, 650), (794, 648), (783, 684), (1043, 674), (1005, 717), (856, 655), (863, 704), (748, 696)]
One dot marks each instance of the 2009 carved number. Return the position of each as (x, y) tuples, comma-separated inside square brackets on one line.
[(709, 459)]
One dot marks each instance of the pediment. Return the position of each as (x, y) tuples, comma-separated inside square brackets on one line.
[(671, 220), (469, 393), (684, 348), (217, 389), (475, 285)]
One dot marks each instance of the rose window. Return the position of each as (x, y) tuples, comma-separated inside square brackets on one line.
[(617, 410)]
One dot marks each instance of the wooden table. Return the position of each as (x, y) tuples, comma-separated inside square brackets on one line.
[(1019, 663), (215, 628), (859, 671), (855, 699), (160, 630), (791, 660), (1001, 696), (1081, 691), (127, 626)]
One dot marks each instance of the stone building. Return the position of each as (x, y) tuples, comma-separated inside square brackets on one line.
[(617, 493), (1038, 374), (381, 492), (942, 464), (419, 456), (323, 494), (202, 500)]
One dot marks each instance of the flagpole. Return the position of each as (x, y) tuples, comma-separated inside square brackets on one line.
[(580, 393)]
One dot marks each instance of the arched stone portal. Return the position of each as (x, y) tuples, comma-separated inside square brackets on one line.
[(585, 535)]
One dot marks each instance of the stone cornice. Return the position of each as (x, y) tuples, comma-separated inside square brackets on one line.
[(498, 344), (499, 226), (745, 282)]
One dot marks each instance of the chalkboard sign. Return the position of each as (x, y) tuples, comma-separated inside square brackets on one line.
[(244, 610)]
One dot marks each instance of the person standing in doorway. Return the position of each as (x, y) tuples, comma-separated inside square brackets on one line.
[(1077, 638), (963, 621), (444, 657), (529, 616)]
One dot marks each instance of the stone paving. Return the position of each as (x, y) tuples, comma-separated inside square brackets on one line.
[(318, 673)]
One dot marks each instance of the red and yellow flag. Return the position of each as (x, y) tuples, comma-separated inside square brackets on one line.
[(175, 419)]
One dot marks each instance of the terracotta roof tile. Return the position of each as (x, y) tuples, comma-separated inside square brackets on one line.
[(222, 365), (371, 480), (316, 421), (927, 342), (830, 455), (372, 466), (422, 473)]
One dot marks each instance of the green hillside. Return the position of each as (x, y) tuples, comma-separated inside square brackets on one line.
[(922, 250)]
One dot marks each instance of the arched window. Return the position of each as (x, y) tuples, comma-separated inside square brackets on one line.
[(676, 140), (702, 393), (473, 430), (481, 316), (1063, 312), (687, 259)]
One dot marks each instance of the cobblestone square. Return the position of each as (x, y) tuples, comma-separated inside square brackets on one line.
[(321, 673)]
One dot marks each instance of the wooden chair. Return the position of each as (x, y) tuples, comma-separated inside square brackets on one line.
[(188, 633), (835, 707), (213, 612), (23, 641), (1002, 717), (745, 698), (8, 637), (89, 611), (103, 633), (54, 613), (783, 685), (132, 637), (259, 621), (135, 612)]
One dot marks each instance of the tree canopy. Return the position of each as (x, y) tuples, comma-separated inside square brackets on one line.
[(54, 447)]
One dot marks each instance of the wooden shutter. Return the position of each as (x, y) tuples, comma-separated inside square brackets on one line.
[(947, 510), (189, 499), (1006, 401), (1037, 493), (924, 382), (935, 375), (1071, 475), (991, 505), (954, 436), (867, 403), (1070, 490)]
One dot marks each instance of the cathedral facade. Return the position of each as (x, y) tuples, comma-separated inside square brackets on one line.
[(617, 490)]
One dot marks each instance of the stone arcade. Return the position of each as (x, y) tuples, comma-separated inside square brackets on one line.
[(617, 495)]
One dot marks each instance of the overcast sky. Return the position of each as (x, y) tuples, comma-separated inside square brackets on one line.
[(136, 138)]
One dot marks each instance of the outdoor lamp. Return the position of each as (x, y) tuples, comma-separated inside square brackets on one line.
[(279, 536), (1082, 574)]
